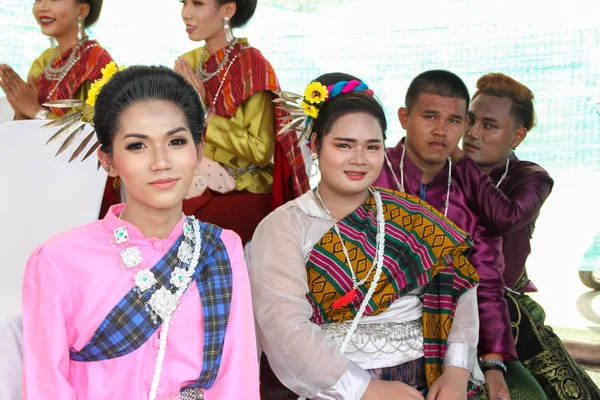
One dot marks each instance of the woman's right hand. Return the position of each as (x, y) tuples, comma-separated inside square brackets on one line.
[(182, 66), (380, 390)]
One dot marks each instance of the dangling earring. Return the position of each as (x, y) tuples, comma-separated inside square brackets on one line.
[(80, 29), (313, 169), (227, 28), (52, 41)]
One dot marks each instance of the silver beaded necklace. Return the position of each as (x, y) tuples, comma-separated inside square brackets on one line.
[(505, 173), (54, 74), (206, 76), (400, 184), (214, 101), (58, 74)]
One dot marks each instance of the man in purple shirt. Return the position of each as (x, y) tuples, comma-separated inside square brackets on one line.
[(434, 119), (507, 194)]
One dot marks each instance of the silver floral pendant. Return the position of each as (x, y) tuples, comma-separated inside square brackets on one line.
[(180, 278), (163, 302), (184, 253), (188, 231), (120, 235), (131, 257), (144, 279)]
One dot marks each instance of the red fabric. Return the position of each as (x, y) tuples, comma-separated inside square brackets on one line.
[(89, 68), (283, 190), (239, 211), (112, 195)]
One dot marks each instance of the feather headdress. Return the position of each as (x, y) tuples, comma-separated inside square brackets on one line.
[(73, 124)]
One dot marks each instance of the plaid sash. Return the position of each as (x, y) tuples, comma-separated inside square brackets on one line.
[(129, 324)]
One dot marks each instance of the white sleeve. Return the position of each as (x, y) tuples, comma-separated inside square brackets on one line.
[(303, 357), (464, 335)]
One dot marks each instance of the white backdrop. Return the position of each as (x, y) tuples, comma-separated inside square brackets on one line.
[(41, 196)]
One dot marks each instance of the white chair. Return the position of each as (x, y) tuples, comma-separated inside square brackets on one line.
[(42, 196), (6, 111), (11, 362)]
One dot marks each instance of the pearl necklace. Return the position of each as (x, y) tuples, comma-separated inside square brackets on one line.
[(206, 76), (505, 172), (400, 184), (378, 264), (380, 238), (214, 101)]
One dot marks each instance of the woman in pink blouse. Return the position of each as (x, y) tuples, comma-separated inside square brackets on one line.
[(146, 303)]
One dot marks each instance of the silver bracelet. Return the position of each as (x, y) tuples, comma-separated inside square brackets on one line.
[(500, 364)]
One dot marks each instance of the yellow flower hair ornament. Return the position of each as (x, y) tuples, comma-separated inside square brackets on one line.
[(73, 124), (305, 109)]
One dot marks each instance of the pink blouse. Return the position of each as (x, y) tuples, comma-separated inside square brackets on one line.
[(74, 280)]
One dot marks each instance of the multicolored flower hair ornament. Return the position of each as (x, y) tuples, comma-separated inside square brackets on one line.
[(73, 124), (305, 109)]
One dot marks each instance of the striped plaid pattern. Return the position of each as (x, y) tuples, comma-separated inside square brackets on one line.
[(129, 325), (422, 249), (250, 74), (88, 68)]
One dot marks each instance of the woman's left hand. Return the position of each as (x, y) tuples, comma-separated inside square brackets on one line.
[(22, 96), (183, 67), (452, 385)]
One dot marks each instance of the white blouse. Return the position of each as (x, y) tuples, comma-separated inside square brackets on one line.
[(303, 356)]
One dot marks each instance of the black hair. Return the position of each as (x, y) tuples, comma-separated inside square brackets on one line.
[(142, 83), (94, 14), (244, 10), (343, 104), (439, 82)]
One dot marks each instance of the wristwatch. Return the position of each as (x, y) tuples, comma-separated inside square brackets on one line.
[(42, 114)]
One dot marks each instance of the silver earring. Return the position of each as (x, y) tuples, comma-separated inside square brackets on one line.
[(313, 169), (227, 28), (108, 169), (80, 29), (52, 41)]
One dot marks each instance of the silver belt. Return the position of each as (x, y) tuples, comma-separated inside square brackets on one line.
[(190, 394), (387, 337), (237, 172)]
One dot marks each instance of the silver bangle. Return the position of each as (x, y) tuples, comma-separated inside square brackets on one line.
[(42, 114), (493, 362)]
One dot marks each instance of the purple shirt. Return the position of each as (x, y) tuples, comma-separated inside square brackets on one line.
[(509, 210), (495, 335)]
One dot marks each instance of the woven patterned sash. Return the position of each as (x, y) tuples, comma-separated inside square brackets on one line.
[(88, 68), (422, 249)]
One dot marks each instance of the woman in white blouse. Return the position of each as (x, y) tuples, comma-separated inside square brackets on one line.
[(361, 293)]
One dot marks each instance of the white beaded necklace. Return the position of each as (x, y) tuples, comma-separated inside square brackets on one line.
[(378, 264), (163, 303), (380, 240), (505, 173), (400, 184), (380, 245), (214, 101)]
